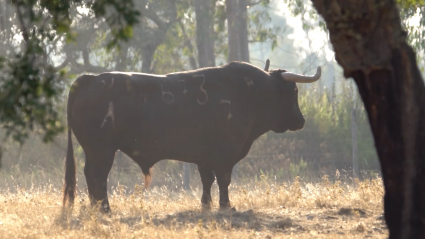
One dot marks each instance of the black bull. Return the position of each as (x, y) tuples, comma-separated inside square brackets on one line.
[(209, 117)]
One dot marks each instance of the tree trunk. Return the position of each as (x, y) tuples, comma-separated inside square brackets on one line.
[(2, 17), (370, 45), (148, 52), (122, 58), (243, 30), (188, 44), (237, 27), (231, 11), (205, 32), (152, 37), (354, 142)]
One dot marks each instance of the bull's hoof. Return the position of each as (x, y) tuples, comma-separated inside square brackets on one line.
[(206, 207), (227, 209), (106, 210)]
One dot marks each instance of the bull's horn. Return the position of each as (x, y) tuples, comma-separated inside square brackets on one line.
[(302, 79)]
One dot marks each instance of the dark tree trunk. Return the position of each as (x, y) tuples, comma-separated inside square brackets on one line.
[(122, 58), (237, 27), (205, 32), (2, 16), (151, 37), (370, 45), (147, 58)]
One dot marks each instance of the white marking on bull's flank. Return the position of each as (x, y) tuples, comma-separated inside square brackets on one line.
[(103, 81), (249, 81), (164, 93), (112, 83), (227, 102), (202, 89), (109, 114)]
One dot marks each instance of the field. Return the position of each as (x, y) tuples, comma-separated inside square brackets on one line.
[(264, 209)]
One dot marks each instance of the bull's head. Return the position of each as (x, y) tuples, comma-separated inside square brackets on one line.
[(289, 116)]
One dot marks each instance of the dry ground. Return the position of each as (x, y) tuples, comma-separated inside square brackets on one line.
[(263, 210)]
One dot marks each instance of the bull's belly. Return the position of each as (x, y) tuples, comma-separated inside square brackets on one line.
[(186, 149)]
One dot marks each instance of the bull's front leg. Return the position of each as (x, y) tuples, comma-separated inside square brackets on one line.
[(223, 181), (207, 178)]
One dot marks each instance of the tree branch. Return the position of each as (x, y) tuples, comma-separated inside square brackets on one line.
[(67, 60), (153, 16), (78, 68)]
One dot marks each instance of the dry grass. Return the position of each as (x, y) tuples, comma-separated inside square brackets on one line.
[(264, 210)]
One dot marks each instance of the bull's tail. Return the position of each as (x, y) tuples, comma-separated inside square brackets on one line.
[(70, 167), (70, 173)]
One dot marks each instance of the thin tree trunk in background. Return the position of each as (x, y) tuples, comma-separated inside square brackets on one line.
[(232, 29), (189, 45), (147, 58), (156, 35), (205, 32), (2, 16), (122, 61), (237, 27), (354, 141), (371, 47), (243, 30), (186, 176)]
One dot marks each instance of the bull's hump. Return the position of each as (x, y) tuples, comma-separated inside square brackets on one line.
[(136, 74)]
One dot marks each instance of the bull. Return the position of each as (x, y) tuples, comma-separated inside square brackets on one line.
[(209, 117)]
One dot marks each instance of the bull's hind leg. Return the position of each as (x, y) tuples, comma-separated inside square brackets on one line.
[(100, 165), (89, 180), (207, 178)]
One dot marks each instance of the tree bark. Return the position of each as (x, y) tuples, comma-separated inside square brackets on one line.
[(122, 58), (205, 32), (2, 16), (237, 27), (354, 143), (147, 58), (243, 30), (370, 45)]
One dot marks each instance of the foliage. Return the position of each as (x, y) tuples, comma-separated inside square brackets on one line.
[(408, 9), (30, 84), (416, 34)]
